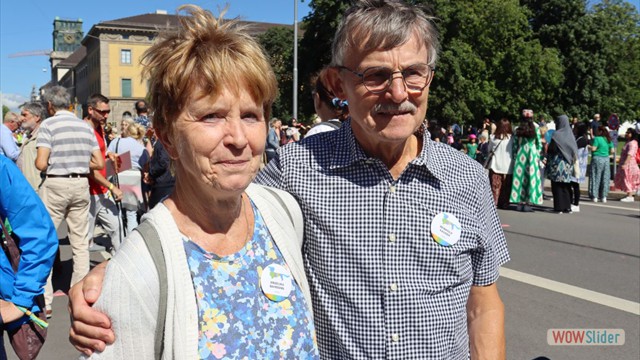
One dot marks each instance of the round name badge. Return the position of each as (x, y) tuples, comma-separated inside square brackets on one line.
[(445, 229), (276, 282)]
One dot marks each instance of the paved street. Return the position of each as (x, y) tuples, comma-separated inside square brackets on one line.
[(572, 271)]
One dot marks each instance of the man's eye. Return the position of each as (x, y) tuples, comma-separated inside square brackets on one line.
[(377, 75)]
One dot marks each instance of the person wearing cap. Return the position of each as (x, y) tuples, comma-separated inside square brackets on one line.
[(471, 148)]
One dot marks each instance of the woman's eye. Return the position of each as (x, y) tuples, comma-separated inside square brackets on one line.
[(212, 117), (252, 117)]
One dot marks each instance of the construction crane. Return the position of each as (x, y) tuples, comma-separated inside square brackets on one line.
[(31, 53)]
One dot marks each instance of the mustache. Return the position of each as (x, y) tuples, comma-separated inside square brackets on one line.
[(403, 107)]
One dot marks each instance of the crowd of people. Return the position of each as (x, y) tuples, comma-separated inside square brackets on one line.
[(312, 255)]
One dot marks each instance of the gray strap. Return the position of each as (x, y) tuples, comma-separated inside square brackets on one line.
[(152, 240), (284, 206)]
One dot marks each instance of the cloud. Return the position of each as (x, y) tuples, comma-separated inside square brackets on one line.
[(12, 101)]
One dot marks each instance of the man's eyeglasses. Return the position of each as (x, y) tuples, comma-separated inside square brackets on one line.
[(378, 79), (102, 112)]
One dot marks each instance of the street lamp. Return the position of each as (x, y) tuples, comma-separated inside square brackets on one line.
[(295, 59)]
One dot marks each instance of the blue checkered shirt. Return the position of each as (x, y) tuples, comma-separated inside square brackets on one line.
[(382, 288)]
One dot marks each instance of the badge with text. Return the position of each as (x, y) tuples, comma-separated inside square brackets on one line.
[(276, 282), (445, 229)]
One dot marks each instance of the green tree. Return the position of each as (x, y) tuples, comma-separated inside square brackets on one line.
[(490, 65), (320, 25), (278, 43), (5, 110), (619, 23)]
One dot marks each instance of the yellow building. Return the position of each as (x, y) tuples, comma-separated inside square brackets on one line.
[(108, 62)]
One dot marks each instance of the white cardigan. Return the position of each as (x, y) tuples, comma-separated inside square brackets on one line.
[(131, 290), (502, 160)]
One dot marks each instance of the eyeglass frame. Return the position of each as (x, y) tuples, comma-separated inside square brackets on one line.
[(390, 80)]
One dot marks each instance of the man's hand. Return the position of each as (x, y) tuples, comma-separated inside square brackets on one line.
[(485, 320), (90, 329), (117, 193), (9, 312)]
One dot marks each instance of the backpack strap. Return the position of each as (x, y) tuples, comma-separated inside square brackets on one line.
[(152, 241)]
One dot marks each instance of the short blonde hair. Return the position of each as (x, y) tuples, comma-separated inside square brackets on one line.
[(204, 53), (136, 131)]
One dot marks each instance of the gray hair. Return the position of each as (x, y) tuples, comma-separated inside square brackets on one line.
[(10, 117), (36, 109), (383, 24), (273, 122), (58, 96)]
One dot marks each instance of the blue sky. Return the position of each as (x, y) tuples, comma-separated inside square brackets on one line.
[(27, 25)]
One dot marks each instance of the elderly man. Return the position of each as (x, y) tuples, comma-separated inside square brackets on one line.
[(402, 241), (66, 151), (32, 114), (8, 146)]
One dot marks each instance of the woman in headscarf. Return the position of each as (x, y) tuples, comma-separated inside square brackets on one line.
[(561, 154)]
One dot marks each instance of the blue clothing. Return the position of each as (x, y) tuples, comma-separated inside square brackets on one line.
[(139, 155), (142, 120), (31, 222), (382, 286), (229, 294), (8, 146)]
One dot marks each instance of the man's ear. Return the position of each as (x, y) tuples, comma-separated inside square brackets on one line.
[(334, 82)]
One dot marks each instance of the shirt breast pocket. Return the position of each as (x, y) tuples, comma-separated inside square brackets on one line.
[(448, 257)]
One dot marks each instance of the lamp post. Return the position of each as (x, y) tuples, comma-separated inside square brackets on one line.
[(295, 59)]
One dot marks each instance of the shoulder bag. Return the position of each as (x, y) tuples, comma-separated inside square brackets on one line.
[(28, 339)]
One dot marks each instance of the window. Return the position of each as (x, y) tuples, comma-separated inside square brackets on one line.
[(125, 56), (126, 87)]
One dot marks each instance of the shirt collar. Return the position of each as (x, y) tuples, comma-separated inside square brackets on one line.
[(347, 152)]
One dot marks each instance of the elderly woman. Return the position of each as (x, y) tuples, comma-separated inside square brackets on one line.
[(235, 280)]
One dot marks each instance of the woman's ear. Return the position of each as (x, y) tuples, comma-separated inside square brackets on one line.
[(168, 143)]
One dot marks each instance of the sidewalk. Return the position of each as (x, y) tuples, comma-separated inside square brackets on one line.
[(614, 194)]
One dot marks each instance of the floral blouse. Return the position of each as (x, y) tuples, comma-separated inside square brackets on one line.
[(236, 318)]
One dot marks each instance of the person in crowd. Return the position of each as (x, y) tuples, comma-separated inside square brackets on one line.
[(501, 163), (471, 147), (352, 181), (130, 180), (160, 177), (21, 288), (273, 138), (67, 150), (561, 156), (104, 193), (218, 232), (142, 114), (483, 147), (331, 110), (627, 177), (525, 188), (32, 113), (600, 173), (8, 145), (545, 139), (594, 124), (582, 142)]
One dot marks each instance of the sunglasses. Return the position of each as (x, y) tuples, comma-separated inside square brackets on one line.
[(102, 112)]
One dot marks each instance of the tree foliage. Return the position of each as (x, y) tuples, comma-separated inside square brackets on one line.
[(500, 56), (5, 110), (278, 43)]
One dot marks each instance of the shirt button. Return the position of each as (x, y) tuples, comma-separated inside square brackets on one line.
[(392, 237), (393, 287), (395, 337), (392, 188)]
